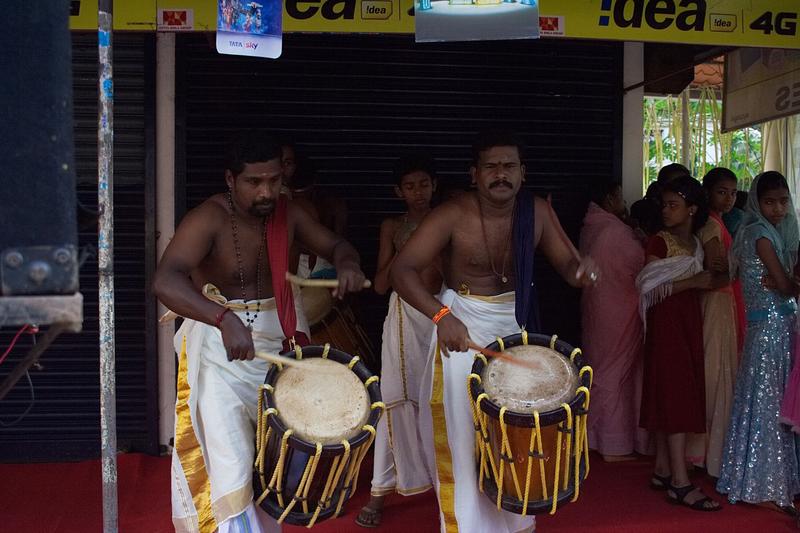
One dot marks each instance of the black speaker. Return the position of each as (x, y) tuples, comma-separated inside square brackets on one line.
[(38, 233)]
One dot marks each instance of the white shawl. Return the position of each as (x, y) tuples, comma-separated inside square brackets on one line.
[(655, 280)]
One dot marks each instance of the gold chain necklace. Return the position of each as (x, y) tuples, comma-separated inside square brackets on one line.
[(502, 274)]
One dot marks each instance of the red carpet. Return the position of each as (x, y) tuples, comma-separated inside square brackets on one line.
[(66, 498)]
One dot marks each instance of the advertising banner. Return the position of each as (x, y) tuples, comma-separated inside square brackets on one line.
[(771, 23), (250, 28), (476, 20), (760, 85), (765, 23)]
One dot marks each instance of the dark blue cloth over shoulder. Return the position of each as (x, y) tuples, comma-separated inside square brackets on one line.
[(524, 243)]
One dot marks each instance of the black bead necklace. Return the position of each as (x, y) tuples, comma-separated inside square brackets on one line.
[(248, 319)]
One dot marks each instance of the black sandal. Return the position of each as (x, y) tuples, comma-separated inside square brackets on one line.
[(660, 482), (369, 517), (677, 496)]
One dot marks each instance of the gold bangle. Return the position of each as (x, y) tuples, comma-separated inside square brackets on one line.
[(443, 312)]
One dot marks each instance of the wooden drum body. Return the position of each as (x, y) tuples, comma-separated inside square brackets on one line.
[(333, 322), (530, 438), (314, 430)]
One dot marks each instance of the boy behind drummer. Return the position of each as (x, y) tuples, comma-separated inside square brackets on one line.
[(398, 465)]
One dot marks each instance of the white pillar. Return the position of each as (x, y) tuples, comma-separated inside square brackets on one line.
[(165, 220), (633, 123)]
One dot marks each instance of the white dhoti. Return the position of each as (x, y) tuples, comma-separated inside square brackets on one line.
[(399, 465), (447, 420), (215, 424)]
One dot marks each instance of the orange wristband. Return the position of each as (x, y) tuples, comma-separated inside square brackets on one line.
[(443, 312)]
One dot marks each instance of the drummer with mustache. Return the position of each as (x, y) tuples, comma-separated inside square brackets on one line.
[(486, 240), (224, 271)]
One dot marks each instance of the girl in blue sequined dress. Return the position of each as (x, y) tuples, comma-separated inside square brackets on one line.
[(760, 459)]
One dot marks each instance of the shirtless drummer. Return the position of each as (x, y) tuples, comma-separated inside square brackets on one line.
[(486, 240), (224, 271)]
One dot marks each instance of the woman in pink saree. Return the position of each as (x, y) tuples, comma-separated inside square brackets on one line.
[(612, 327)]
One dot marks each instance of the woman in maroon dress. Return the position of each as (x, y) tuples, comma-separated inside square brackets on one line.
[(673, 399)]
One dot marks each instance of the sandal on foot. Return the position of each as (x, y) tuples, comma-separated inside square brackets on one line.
[(369, 517), (677, 496), (660, 482), (791, 510)]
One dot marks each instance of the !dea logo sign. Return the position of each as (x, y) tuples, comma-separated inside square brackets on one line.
[(685, 15), (376, 9), (338, 9)]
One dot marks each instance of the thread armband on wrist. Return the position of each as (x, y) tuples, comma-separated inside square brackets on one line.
[(218, 320), (443, 312)]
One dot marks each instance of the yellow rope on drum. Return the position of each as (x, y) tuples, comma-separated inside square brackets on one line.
[(325, 350), (483, 418), (560, 431), (553, 340), (353, 362), (507, 456), (479, 457), (351, 477), (371, 380), (529, 465), (298, 351), (576, 351), (260, 427), (583, 371), (501, 343), (308, 474), (524, 334), (334, 475), (311, 477), (568, 451), (277, 476), (581, 440), (540, 451)]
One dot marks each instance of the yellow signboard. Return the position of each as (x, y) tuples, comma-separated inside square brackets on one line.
[(129, 16), (763, 23), (766, 23)]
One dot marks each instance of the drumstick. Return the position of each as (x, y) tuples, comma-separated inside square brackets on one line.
[(504, 356), (327, 283), (302, 364)]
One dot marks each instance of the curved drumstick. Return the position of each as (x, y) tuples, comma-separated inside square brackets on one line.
[(327, 283), (504, 356)]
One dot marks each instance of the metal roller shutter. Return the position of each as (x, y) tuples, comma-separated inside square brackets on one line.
[(356, 102), (64, 422)]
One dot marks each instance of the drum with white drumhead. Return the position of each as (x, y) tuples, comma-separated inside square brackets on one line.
[(315, 428), (530, 423)]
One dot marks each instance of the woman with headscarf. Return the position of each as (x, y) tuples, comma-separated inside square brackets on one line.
[(760, 462)]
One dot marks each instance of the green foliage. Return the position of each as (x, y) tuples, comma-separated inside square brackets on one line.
[(739, 150)]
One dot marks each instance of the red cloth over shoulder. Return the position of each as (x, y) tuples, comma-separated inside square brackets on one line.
[(278, 254), (656, 246)]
